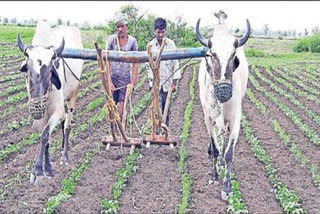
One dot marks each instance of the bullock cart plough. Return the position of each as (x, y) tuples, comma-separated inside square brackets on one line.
[(158, 118)]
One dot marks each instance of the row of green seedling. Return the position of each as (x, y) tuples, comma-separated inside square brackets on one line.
[(12, 148), (293, 89), (16, 87), (288, 199), (185, 176), (287, 139), (69, 184), (12, 64), (312, 69), (293, 116), (123, 174), (54, 147), (315, 117), (297, 81), (28, 140), (88, 77), (5, 112), (15, 125), (13, 99), (130, 167), (303, 76)]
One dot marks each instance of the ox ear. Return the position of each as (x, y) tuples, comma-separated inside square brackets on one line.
[(55, 79), (209, 43), (23, 67), (236, 63)]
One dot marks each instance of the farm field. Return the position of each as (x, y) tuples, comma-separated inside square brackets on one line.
[(276, 162)]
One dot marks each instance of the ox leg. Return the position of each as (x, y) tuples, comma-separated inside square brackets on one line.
[(222, 160), (228, 156), (227, 189), (67, 127), (62, 129), (37, 171), (213, 154), (47, 166), (66, 131)]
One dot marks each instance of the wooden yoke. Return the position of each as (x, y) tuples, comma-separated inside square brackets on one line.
[(110, 106)]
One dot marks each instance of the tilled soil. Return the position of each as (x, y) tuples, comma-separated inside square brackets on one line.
[(17, 162), (96, 182), (155, 187), (310, 150), (290, 172), (310, 104), (16, 136), (250, 173)]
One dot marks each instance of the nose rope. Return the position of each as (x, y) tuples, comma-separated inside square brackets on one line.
[(64, 70)]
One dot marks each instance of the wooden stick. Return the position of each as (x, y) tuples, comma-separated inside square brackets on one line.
[(166, 108), (124, 114)]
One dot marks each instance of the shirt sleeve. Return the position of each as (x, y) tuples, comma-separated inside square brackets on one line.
[(134, 45), (148, 68), (109, 43)]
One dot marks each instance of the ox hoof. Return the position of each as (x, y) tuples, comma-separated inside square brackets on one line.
[(214, 182), (49, 174), (226, 195), (36, 180), (64, 160)]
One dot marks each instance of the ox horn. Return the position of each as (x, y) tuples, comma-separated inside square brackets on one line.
[(202, 40), (20, 43), (245, 37), (60, 48)]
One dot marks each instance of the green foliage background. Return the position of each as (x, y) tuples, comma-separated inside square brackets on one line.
[(308, 44)]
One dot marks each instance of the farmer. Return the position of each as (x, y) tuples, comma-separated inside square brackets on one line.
[(167, 68), (120, 71)]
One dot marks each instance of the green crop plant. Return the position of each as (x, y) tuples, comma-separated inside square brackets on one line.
[(123, 174), (288, 199), (68, 185), (298, 82), (294, 117), (290, 97)]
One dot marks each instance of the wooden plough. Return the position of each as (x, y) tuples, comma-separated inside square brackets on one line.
[(112, 111), (158, 118)]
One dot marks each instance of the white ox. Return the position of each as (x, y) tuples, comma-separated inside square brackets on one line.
[(223, 77), (50, 83)]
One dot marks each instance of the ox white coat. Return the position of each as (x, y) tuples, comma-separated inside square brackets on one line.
[(223, 77)]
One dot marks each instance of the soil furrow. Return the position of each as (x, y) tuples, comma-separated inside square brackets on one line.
[(290, 172), (156, 185), (310, 150), (97, 181)]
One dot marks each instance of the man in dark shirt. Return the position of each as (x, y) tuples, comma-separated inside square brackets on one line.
[(120, 71)]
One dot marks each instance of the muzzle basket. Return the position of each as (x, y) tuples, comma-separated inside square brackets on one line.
[(38, 106), (223, 92)]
